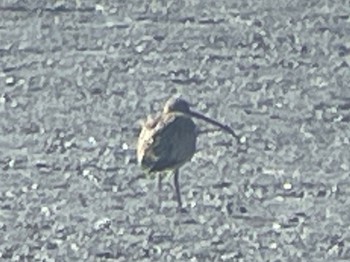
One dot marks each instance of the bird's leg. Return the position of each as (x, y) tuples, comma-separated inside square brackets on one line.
[(159, 183), (177, 188), (159, 190)]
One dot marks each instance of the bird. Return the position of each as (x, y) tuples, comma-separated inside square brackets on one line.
[(166, 142)]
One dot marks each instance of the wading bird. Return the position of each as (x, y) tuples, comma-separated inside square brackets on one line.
[(168, 141)]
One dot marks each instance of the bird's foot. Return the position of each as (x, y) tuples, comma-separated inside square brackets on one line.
[(181, 210)]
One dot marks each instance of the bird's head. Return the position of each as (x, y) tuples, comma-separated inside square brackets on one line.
[(179, 105), (176, 105)]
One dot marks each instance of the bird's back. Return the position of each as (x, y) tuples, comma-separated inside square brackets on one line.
[(166, 142)]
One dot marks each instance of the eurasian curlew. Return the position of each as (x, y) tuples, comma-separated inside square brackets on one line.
[(169, 140)]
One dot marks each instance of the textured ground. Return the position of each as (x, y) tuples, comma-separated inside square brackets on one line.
[(76, 77)]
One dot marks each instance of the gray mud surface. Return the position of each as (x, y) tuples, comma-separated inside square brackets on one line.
[(77, 76)]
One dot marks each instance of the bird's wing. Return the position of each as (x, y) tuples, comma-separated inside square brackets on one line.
[(161, 145)]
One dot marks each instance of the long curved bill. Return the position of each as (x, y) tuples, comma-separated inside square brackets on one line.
[(226, 128)]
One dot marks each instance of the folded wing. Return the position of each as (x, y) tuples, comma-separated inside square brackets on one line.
[(166, 142)]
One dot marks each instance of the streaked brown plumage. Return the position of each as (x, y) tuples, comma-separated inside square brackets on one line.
[(169, 140)]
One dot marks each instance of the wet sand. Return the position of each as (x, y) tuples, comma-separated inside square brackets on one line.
[(76, 79)]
